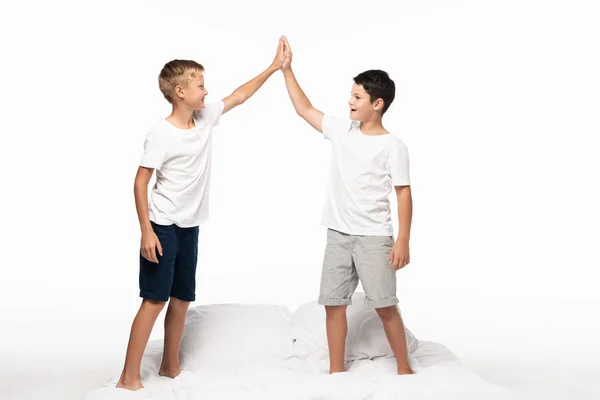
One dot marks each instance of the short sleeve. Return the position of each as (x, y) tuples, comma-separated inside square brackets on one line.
[(399, 163), (155, 150), (333, 127), (211, 113)]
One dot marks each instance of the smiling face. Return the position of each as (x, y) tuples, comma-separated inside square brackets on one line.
[(361, 107), (193, 93), (372, 94), (182, 83)]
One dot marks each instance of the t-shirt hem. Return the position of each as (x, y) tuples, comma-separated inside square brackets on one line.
[(401, 183), (165, 221), (152, 165), (359, 232)]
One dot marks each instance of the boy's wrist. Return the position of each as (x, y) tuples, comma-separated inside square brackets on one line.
[(403, 239), (146, 228)]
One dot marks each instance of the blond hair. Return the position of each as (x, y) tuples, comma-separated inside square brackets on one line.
[(177, 72)]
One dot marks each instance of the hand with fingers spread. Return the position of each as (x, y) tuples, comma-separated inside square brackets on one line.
[(400, 255), (150, 246)]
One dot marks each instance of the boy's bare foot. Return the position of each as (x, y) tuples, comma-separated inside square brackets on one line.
[(169, 373), (405, 371), (130, 385)]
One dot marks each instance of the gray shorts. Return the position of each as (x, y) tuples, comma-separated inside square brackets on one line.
[(349, 258)]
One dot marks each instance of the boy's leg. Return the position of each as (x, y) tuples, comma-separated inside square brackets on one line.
[(174, 323), (372, 257), (337, 329), (183, 292), (396, 335), (155, 285), (138, 339), (338, 283)]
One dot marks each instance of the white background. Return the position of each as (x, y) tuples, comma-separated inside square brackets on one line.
[(497, 102)]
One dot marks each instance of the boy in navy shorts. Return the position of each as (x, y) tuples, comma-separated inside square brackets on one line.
[(179, 149)]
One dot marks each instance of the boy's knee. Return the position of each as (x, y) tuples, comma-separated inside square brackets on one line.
[(154, 305), (387, 313), (180, 304), (335, 311)]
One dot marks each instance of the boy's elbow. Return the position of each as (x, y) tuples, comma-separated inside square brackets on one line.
[(140, 183), (240, 98), (302, 111)]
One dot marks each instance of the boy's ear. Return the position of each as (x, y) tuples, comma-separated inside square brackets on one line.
[(378, 105), (179, 92)]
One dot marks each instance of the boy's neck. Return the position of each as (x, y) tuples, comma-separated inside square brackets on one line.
[(373, 127), (181, 117)]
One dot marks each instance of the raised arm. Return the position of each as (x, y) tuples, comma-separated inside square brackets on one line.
[(244, 92), (303, 106)]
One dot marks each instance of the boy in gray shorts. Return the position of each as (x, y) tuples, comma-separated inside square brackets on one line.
[(367, 163)]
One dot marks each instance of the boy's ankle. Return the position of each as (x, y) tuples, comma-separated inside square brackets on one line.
[(334, 369), (130, 384), (405, 369), (170, 372), (129, 378)]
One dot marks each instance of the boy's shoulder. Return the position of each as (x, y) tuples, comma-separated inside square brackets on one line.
[(160, 130), (211, 111), (396, 141), (333, 122)]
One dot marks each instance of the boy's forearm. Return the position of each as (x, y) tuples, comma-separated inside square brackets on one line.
[(404, 214), (140, 192), (248, 89), (299, 99)]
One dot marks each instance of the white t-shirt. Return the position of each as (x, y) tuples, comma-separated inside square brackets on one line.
[(364, 169), (181, 158)]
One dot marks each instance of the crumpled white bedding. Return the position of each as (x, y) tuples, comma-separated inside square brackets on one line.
[(439, 375)]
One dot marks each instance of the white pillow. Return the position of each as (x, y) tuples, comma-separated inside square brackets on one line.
[(229, 336), (365, 340)]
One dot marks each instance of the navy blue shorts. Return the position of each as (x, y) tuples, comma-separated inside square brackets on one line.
[(175, 273)]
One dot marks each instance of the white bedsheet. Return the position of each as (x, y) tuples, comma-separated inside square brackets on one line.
[(440, 376)]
